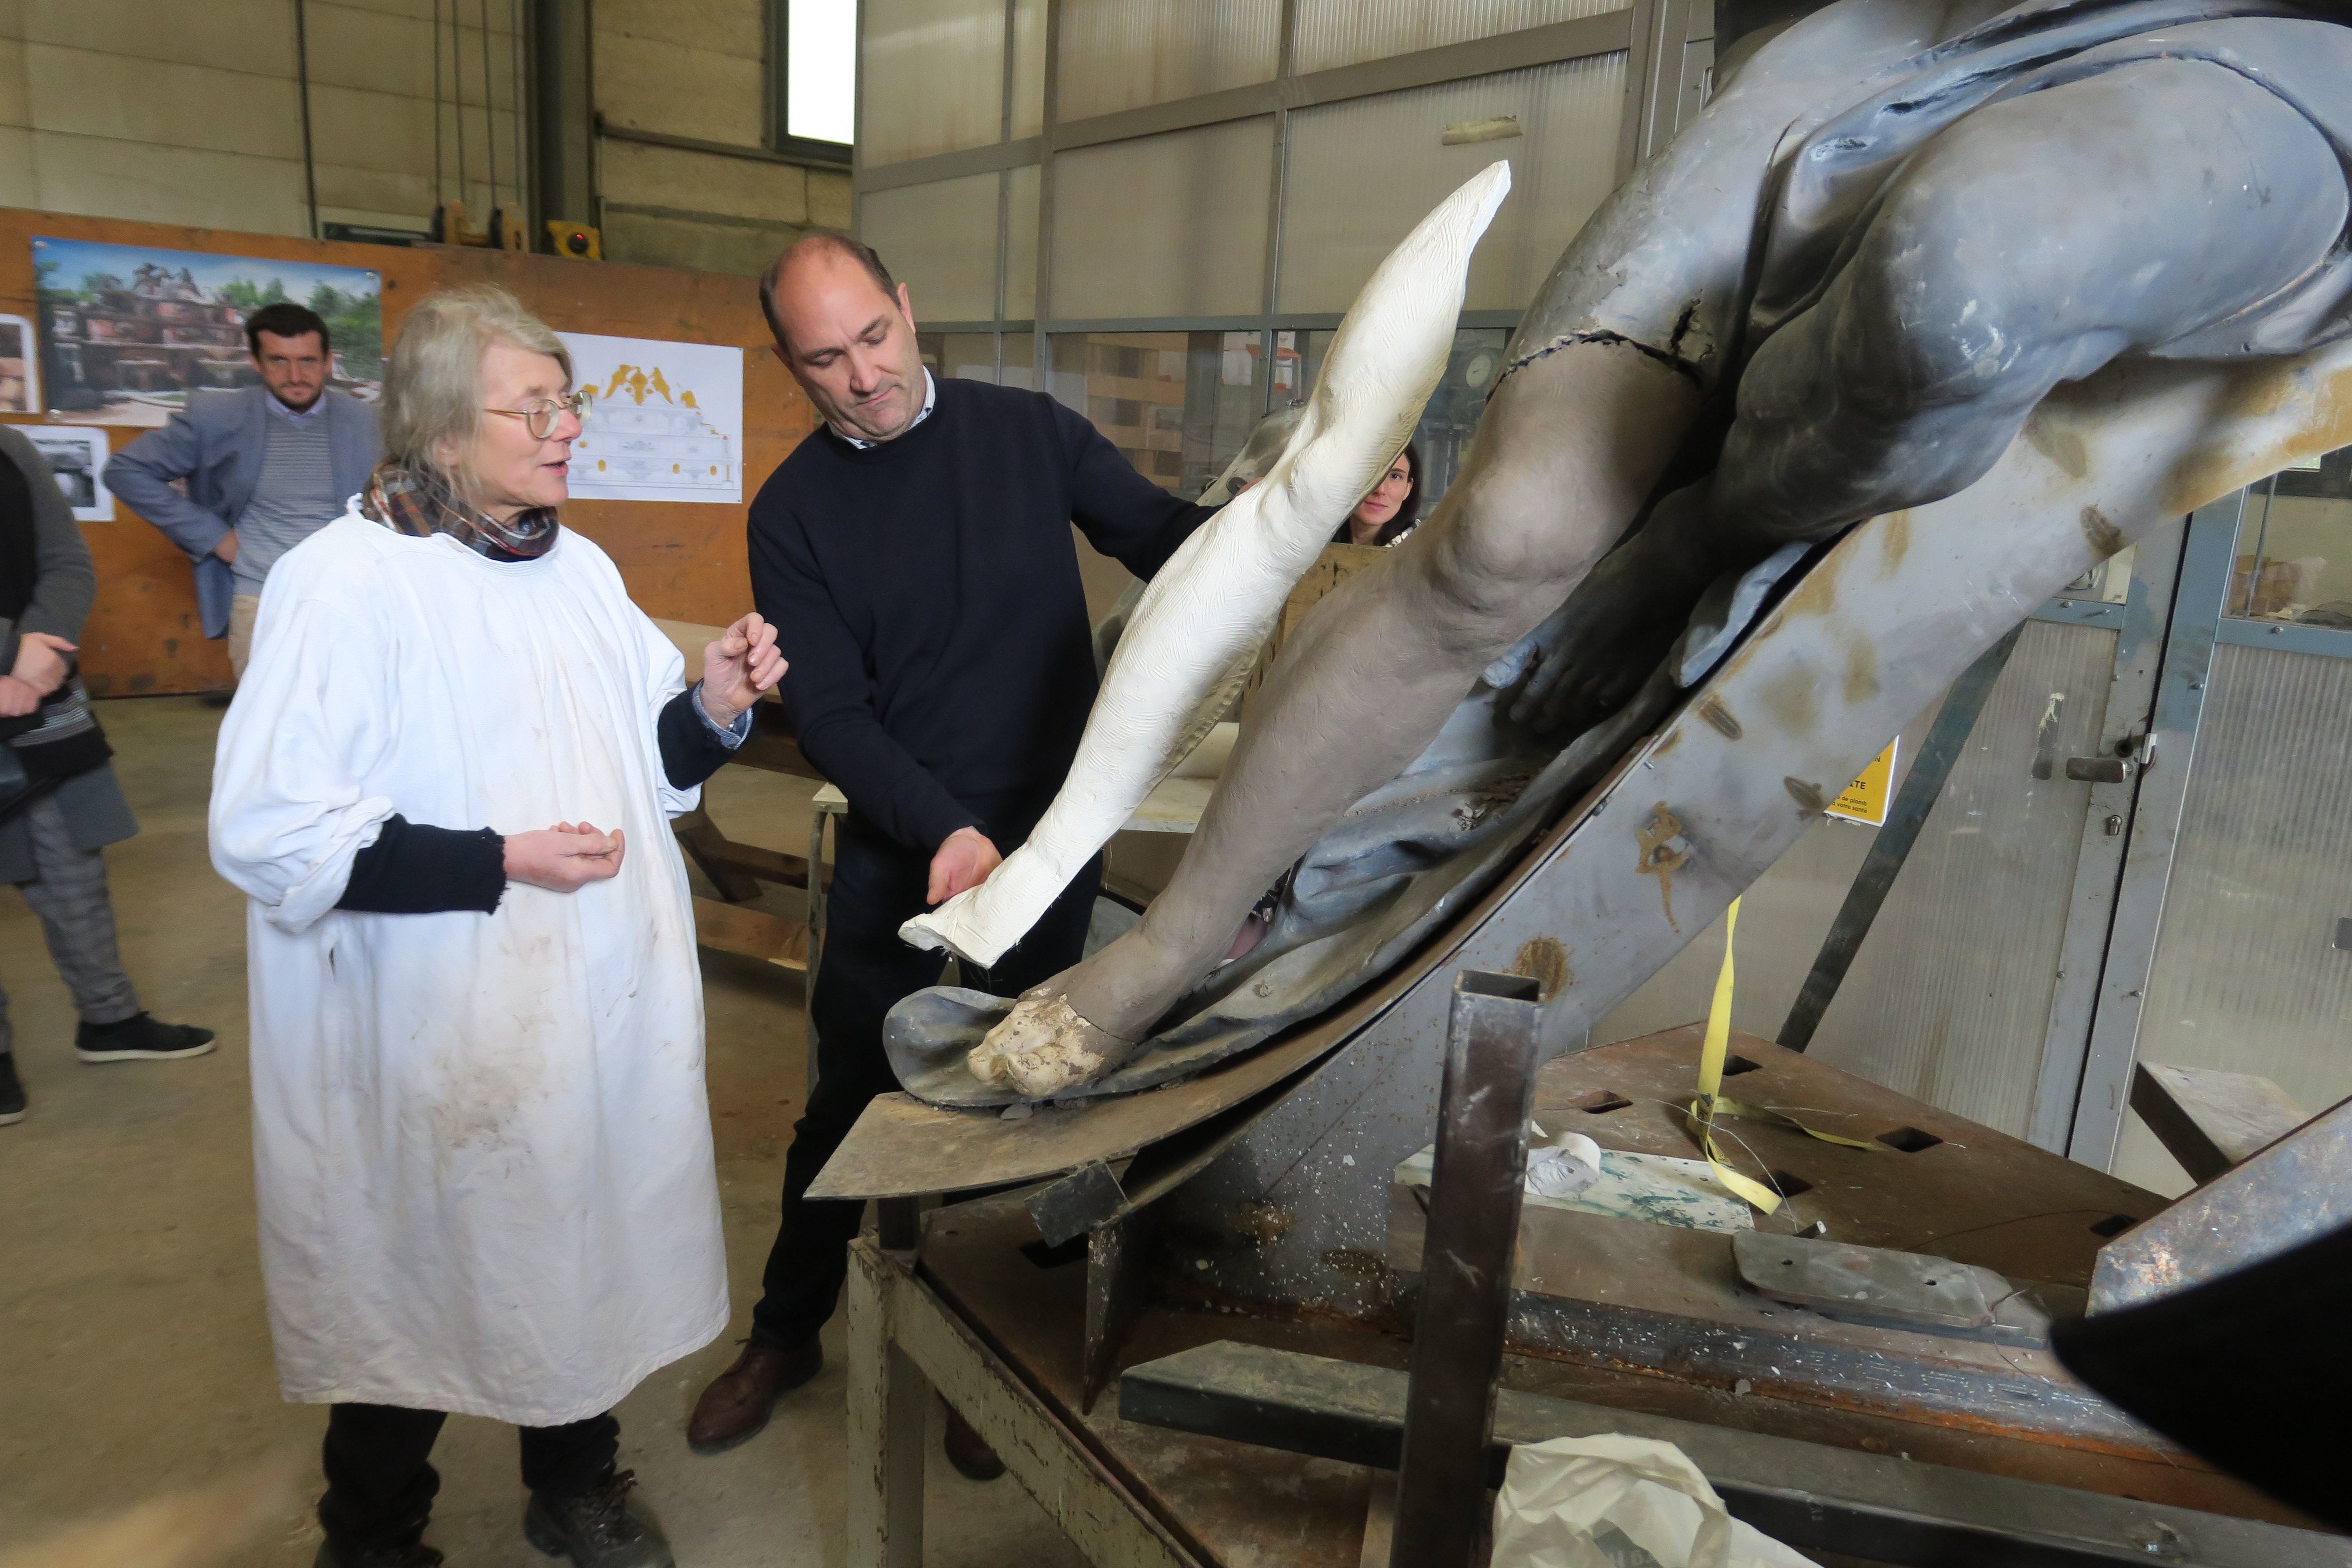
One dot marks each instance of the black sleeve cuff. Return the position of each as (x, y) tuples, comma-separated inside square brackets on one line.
[(414, 869), (690, 752)]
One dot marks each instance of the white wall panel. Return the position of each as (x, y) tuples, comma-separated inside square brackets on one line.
[(1338, 222), (1343, 32), (1121, 53), (938, 239), (1164, 226), (1028, 68), (1021, 243), (934, 78)]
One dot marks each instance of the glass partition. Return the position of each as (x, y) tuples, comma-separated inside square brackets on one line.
[(1178, 405), (2295, 547)]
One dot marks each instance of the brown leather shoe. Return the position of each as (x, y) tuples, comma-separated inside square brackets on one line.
[(973, 1459), (739, 1400)]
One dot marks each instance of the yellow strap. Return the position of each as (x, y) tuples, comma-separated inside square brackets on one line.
[(1711, 1102)]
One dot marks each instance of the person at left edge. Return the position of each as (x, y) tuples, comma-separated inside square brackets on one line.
[(266, 467), (914, 555), (59, 802), (482, 1140)]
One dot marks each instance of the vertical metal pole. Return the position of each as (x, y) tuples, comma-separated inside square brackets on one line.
[(2155, 832), (1042, 309), (302, 71), (1922, 787), (490, 115), (815, 943), (1466, 1269)]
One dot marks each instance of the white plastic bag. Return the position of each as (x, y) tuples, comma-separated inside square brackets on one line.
[(1620, 1503)]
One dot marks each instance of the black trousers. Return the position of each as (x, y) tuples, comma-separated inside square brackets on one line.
[(381, 1482), (863, 971)]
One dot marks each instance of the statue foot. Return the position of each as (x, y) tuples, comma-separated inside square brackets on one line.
[(1615, 627), (1043, 1048)]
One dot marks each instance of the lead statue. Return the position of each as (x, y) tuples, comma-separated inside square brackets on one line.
[(1844, 289)]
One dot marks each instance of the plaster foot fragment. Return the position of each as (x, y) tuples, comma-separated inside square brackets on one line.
[(1043, 1048), (1212, 603)]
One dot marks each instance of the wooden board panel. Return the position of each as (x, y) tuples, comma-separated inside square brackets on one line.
[(768, 938), (681, 560)]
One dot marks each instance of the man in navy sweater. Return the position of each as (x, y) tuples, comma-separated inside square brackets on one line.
[(914, 554)]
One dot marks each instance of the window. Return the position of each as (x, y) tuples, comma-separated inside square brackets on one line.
[(813, 77), (2295, 547), (1178, 405)]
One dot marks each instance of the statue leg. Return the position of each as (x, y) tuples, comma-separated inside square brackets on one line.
[(1992, 272), (1567, 450)]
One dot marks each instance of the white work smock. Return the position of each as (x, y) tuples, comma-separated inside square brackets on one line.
[(481, 1141)]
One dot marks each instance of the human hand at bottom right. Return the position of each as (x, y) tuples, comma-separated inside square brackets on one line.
[(564, 858)]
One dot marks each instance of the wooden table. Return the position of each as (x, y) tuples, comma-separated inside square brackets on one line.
[(968, 1301)]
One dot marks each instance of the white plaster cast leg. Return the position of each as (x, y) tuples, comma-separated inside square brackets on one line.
[(1215, 601)]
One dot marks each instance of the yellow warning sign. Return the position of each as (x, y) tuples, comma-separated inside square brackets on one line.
[(1865, 800)]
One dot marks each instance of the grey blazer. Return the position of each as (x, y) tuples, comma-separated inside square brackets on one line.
[(217, 444)]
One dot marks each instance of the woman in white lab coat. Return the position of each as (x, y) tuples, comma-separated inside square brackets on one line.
[(480, 1135)]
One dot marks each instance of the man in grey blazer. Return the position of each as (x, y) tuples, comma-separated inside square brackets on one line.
[(266, 467)]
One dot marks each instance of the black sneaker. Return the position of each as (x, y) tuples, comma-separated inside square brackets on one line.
[(597, 1528), (12, 1093), (410, 1556), (140, 1038)]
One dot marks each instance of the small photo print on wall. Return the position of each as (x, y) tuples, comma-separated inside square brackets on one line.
[(20, 370), (77, 456), (128, 333)]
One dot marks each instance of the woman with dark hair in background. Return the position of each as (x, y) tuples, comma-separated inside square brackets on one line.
[(1393, 507)]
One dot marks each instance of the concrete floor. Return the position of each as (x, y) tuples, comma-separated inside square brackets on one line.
[(134, 1355)]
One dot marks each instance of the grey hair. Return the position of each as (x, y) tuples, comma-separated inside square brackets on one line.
[(433, 378)]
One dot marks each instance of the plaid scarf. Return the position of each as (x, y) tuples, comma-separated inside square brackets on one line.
[(421, 503)]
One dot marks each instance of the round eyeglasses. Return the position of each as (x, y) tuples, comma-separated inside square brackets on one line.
[(540, 418)]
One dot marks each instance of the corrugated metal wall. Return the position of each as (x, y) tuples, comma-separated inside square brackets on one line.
[(941, 239), (1338, 224), (1950, 997), (934, 78), (1344, 32), (1123, 54), (1164, 226), (2246, 977)]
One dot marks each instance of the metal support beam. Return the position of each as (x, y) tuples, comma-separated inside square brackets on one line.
[(1921, 787), (1812, 1496), (1476, 1187), (563, 118)]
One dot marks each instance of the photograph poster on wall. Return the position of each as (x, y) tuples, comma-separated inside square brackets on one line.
[(129, 333), (20, 369), (664, 422), (77, 456)]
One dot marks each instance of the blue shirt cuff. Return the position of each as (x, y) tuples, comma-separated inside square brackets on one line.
[(729, 735)]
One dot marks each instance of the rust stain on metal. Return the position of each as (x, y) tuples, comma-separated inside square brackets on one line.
[(1817, 595), (1860, 671), (1662, 855), (1717, 715), (1674, 738), (2213, 468), (1542, 960), (2053, 441), (1808, 796), (2104, 537), (1261, 1221), (1792, 703), (1355, 1263), (1894, 542)]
